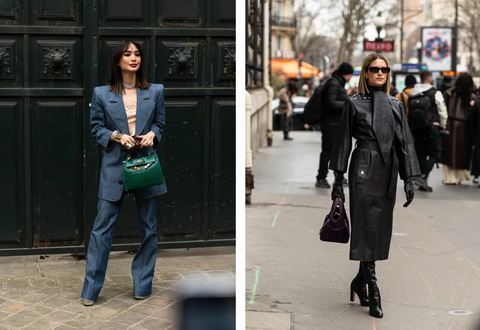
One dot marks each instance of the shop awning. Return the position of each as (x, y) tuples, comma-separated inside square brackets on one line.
[(289, 68)]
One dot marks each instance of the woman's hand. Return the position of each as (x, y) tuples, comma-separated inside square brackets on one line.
[(127, 141), (337, 190), (409, 191), (147, 139)]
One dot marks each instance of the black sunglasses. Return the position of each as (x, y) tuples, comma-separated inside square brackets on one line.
[(374, 69)]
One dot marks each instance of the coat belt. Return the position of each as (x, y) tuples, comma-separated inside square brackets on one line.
[(373, 145)]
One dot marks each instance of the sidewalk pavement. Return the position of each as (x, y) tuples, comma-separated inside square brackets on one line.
[(43, 292), (295, 281)]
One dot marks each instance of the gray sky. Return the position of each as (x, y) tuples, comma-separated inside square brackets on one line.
[(326, 25)]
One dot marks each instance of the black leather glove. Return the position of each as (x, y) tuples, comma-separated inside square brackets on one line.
[(337, 190), (409, 191)]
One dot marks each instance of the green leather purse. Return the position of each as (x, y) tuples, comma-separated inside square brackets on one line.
[(142, 172)]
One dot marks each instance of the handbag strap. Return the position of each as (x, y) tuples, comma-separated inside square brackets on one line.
[(337, 202)]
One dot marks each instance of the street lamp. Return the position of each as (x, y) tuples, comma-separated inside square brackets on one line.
[(379, 22)]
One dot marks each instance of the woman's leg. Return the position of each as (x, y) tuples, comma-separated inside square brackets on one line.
[(358, 286), (143, 265), (99, 248), (368, 269)]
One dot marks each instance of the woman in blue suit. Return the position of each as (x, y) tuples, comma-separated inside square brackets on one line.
[(129, 114)]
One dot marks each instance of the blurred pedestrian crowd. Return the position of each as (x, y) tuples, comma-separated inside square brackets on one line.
[(444, 122)]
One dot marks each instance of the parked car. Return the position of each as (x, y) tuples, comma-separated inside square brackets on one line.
[(298, 105)]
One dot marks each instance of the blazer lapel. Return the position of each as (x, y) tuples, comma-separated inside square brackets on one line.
[(144, 109), (116, 110)]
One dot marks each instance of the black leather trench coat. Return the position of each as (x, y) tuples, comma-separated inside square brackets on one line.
[(384, 150)]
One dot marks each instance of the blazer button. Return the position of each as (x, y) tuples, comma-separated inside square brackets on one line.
[(120, 182)]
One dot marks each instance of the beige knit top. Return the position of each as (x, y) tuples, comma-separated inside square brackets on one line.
[(131, 111)]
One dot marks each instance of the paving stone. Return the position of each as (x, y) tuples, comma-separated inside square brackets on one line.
[(17, 321), (66, 281), (50, 291), (17, 284), (110, 326), (36, 311), (177, 305), (111, 293), (156, 324), (43, 283), (41, 325), (218, 273), (70, 295), (159, 301), (194, 275), (121, 278), (169, 277), (127, 296), (119, 304), (35, 297), (13, 306), (55, 302), (167, 314), (78, 307), (129, 317), (61, 317), (104, 312), (144, 309), (3, 315), (169, 293), (85, 322), (15, 294)]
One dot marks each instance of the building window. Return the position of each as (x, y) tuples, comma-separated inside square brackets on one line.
[(278, 11), (254, 42), (278, 43)]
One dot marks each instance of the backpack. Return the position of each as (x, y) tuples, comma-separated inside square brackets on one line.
[(422, 110), (312, 112)]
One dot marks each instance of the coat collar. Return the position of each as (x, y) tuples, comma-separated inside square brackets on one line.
[(116, 110)]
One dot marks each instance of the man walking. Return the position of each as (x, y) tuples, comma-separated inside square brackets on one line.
[(334, 96), (410, 82), (427, 116), (285, 107)]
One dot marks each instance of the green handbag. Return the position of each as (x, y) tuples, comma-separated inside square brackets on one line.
[(142, 172)]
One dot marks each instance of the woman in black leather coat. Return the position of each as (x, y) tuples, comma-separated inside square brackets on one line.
[(384, 148)]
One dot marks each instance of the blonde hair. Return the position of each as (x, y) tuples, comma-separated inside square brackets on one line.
[(363, 84)]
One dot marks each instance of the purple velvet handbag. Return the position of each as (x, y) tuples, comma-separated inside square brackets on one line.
[(336, 227)]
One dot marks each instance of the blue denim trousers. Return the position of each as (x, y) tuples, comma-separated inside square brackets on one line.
[(143, 265)]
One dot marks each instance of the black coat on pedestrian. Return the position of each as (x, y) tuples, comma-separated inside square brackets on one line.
[(384, 149), (474, 119), (334, 96)]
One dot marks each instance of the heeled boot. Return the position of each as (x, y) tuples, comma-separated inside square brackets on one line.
[(375, 303), (358, 286)]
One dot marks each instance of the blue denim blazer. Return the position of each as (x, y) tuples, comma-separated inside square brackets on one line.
[(107, 114)]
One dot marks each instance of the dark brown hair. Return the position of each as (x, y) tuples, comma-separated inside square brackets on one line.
[(425, 76), (116, 80), (463, 87), (363, 84)]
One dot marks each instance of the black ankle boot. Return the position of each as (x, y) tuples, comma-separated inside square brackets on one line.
[(375, 303), (358, 286)]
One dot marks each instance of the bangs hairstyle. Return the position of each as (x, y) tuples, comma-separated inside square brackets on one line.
[(363, 84), (116, 80)]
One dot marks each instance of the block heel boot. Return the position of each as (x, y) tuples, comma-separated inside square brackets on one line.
[(374, 298), (358, 286)]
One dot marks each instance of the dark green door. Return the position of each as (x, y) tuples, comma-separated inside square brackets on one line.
[(52, 54)]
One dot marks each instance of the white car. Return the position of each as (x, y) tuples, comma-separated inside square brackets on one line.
[(298, 106)]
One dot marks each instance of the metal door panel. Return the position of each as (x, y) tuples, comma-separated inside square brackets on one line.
[(56, 62), (184, 162), (12, 219), (11, 55), (181, 63), (57, 168), (222, 170), (55, 13), (124, 13), (10, 12)]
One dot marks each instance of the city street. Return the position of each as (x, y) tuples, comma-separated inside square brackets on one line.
[(43, 292), (295, 281)]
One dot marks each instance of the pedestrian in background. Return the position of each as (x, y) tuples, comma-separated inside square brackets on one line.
[(334, 96), (457, 146), (384, 148), (474, 119), (305, 91), (410, 82), (285, 107), (446, 84), (428, 101), (129, 113)]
